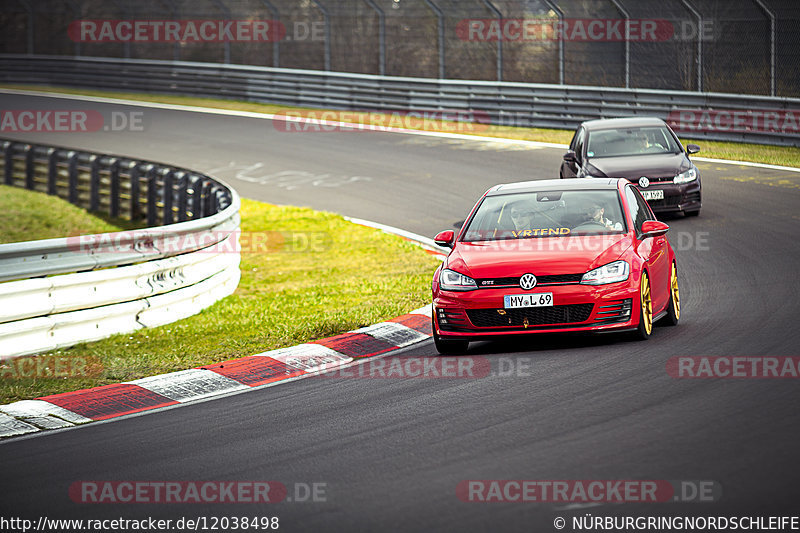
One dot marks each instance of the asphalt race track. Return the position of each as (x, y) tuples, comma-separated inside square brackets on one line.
[(391, 452)]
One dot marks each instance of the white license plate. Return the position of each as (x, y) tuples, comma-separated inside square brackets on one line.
[(540, 299), (655, 194)]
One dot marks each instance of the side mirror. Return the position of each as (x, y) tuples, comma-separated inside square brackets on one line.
[(653, 228), (445, 238), (569, 157), (692, 149)]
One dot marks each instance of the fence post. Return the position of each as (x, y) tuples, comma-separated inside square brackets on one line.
[(440, 34), (326, 15), (627, 16), (560, 15), (499, 16), (772, 31), (276, 44), (381, 36), (699, 59)]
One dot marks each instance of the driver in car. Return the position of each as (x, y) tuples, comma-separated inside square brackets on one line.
[(644, 146), (595, 213)]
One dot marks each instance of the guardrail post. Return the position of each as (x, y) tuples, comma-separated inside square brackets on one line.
[(52, 171), (94, 183), (208, 197), (169, 195), (135, 176), (152, 196), (8, 164), (183, 185), (113, 200), (72, 173), (197, 197), (28, 150)]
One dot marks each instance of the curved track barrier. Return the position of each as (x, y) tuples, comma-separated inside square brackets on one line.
[(59, 292), (713, 116)]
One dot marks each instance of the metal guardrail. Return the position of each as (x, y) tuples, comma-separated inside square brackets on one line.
[(502, 103), (58, 292)]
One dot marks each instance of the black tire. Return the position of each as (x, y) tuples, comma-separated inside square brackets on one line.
[(447, 347), (645, 327), (674, 307)]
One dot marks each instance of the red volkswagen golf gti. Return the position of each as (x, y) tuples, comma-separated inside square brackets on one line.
[(555, 255)]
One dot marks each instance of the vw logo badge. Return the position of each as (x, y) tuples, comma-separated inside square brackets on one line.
[(644, 182), (527, 281)]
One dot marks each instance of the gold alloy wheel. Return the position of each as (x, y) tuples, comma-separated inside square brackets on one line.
[(675, 293), (647, 305)]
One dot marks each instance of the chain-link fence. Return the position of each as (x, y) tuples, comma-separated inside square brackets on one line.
[(736, 46)]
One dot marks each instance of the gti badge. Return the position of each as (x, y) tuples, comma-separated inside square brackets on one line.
[(644, 182), (527, 281)]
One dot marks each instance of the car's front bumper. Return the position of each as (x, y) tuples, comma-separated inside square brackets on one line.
[(480, 313), (678, 197)]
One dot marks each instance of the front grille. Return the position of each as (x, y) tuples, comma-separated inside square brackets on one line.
[(670, 200), (488, 283), (536, 316)]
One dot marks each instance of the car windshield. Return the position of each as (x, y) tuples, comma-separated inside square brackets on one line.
[(631, 141), (546, 214)]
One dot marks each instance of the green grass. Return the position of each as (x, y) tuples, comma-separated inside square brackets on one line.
[(775, 155), (357, 276), (29, 216)]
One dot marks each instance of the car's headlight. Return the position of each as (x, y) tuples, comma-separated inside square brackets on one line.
[(686, 177), (610, 273), (450, 280)]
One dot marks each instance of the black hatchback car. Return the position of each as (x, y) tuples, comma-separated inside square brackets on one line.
[(643, 150)]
